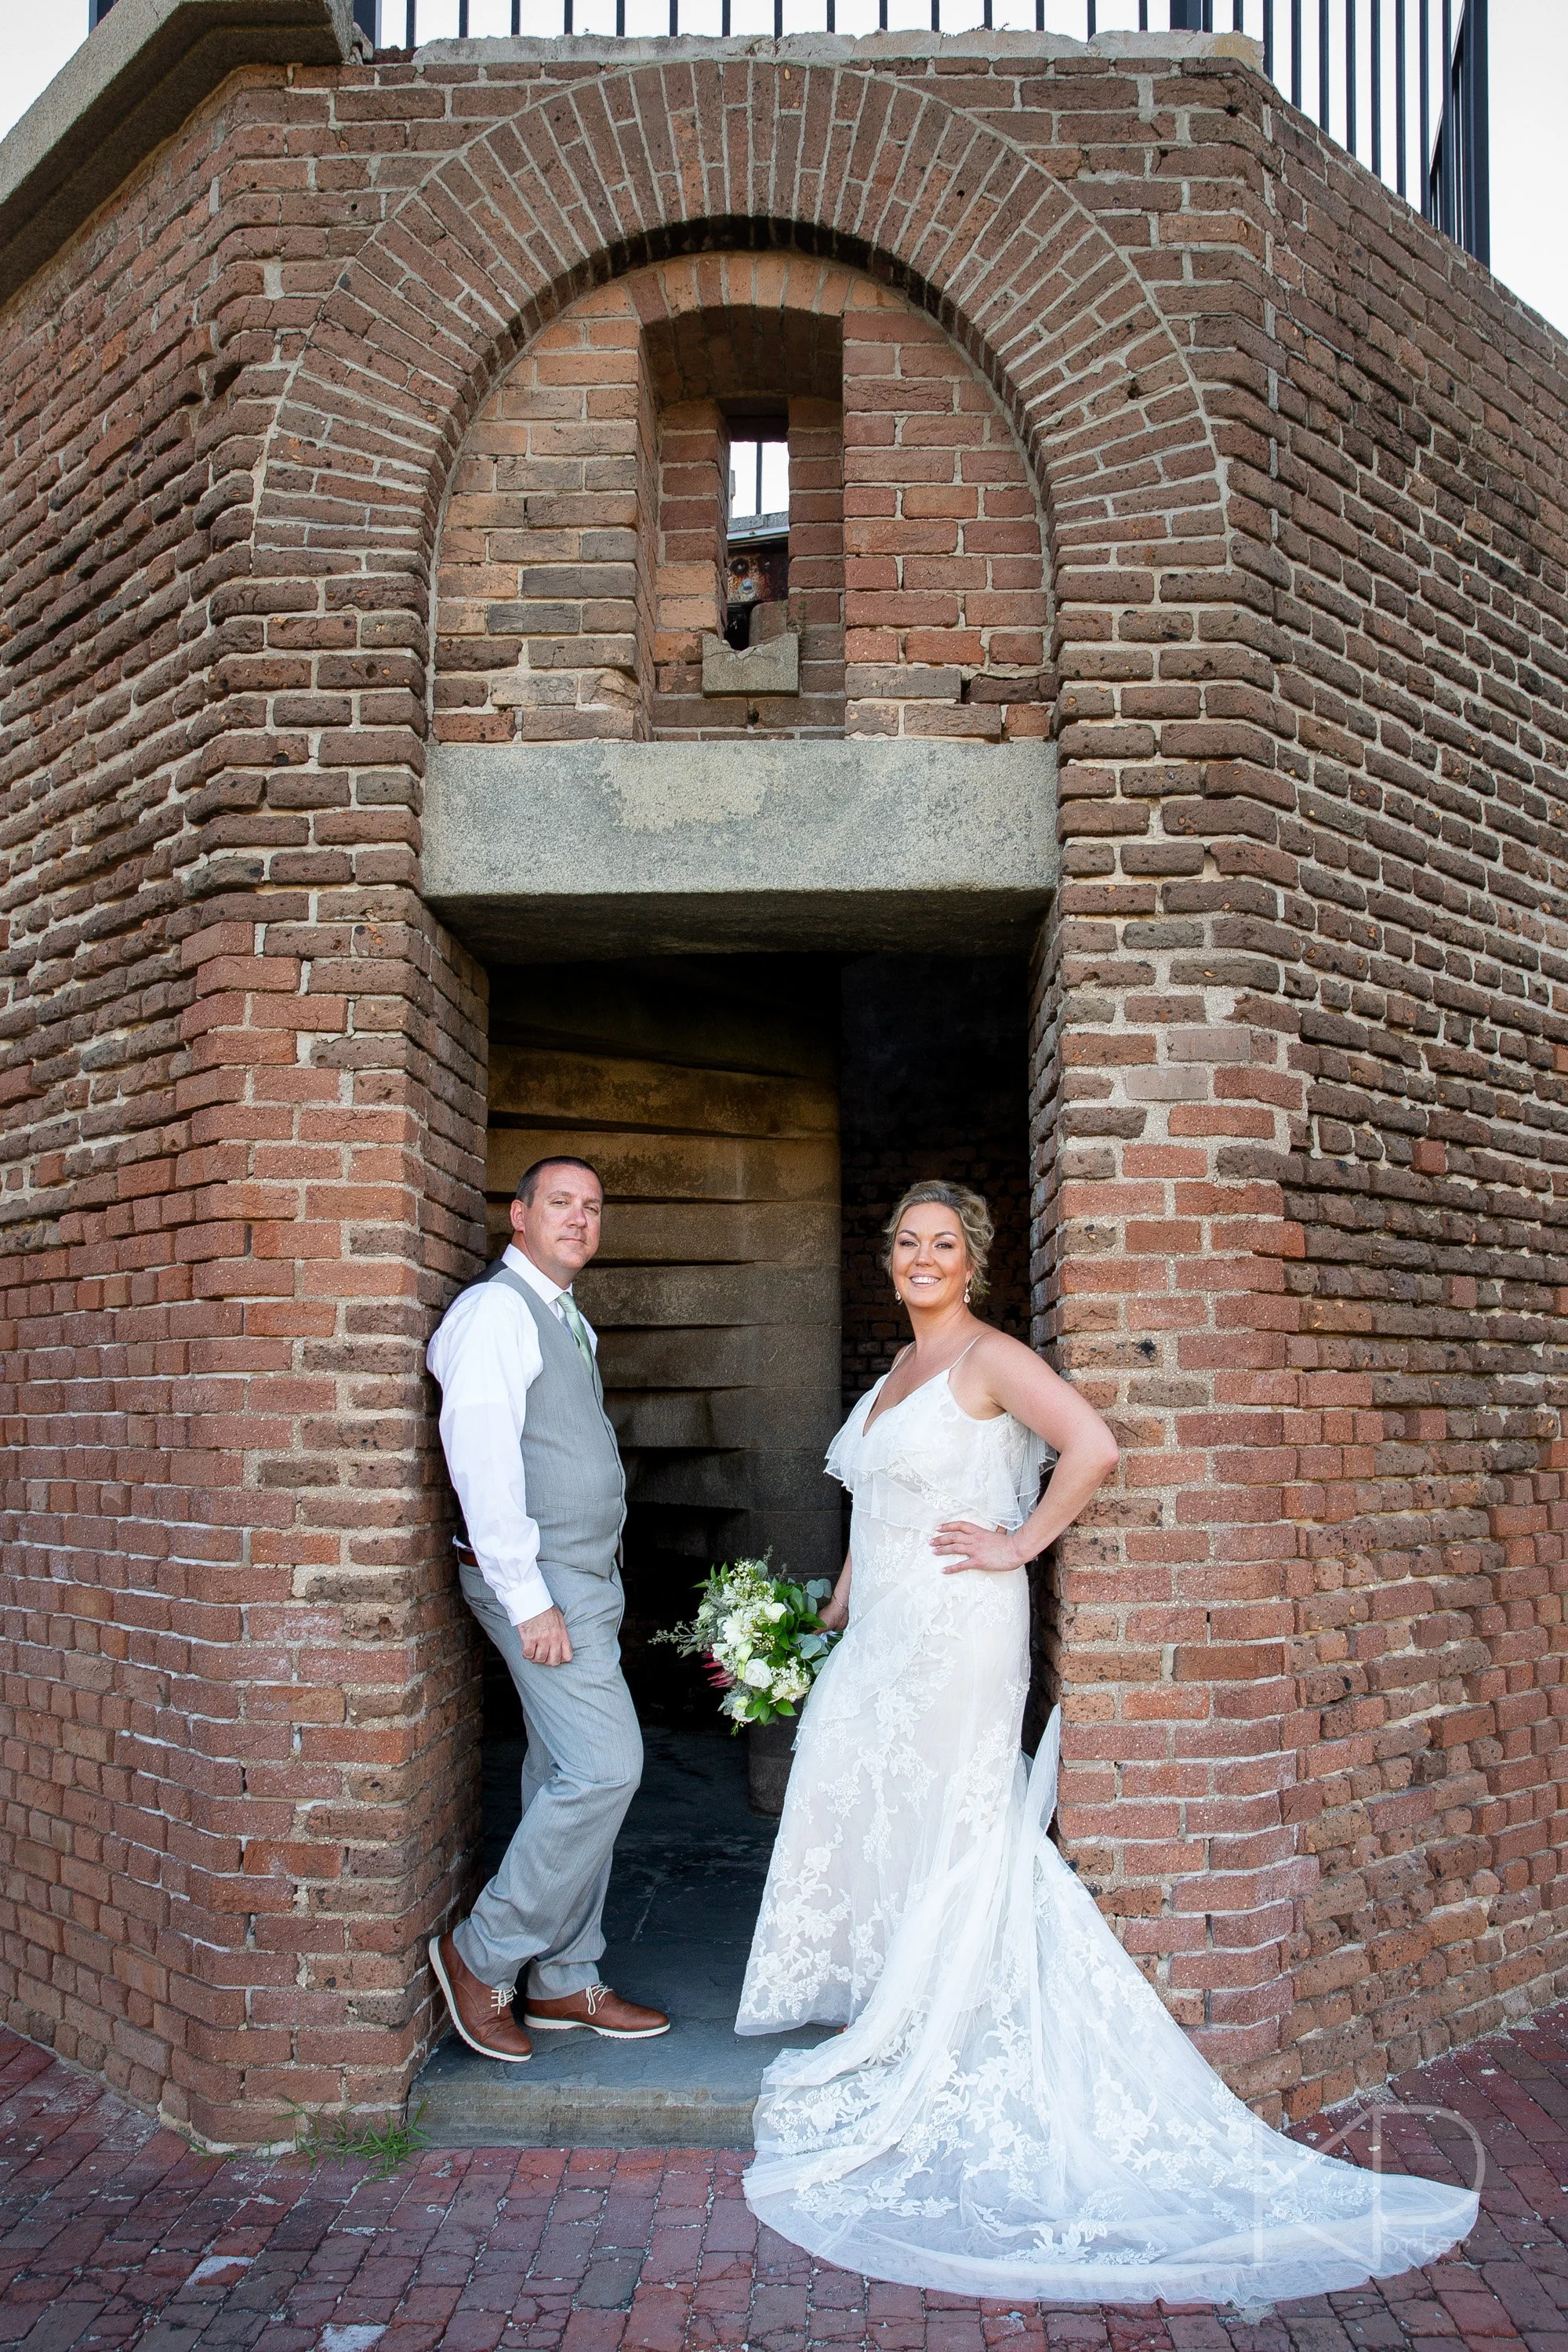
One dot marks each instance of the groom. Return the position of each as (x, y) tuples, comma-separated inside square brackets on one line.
[(536, 1468)]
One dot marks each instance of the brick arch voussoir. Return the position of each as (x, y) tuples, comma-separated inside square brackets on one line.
[(659, 159)]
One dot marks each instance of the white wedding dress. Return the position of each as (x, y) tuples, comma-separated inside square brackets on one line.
[(1011, 2110)]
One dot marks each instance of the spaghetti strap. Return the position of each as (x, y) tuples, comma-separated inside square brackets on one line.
[(878, 1410)]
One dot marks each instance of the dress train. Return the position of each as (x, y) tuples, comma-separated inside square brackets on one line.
[(1011, 2110), (1014, 2113)]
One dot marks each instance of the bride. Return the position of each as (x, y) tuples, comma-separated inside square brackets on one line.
[(1010, 2110)]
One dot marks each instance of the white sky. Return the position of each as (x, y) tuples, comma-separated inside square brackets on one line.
[(1530, 90), (1530, 84)]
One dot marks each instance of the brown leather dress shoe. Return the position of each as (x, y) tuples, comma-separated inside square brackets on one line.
[(598, 2009), (481, 2012)]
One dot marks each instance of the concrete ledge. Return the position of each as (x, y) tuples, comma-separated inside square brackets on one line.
[(840, 49), (128, 88), (606, 849)]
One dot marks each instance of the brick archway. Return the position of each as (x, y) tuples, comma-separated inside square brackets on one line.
[(661, 159)]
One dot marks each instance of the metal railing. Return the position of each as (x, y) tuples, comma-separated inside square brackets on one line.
[(1458, 194), (1402, 84)]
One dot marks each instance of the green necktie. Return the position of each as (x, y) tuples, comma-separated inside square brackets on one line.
[(578, 1328)]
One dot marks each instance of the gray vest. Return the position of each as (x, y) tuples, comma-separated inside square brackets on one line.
[(572, 1471)]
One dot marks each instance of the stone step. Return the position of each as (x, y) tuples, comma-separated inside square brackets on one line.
[(688, 1878), (694, 2087)]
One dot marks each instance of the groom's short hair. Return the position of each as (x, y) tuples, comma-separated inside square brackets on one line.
[(528, 1182)]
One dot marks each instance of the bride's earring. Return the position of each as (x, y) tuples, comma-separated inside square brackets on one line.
[(966, 1294)]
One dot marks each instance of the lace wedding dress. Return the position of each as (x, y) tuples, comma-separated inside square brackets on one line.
[(1011, 2110)]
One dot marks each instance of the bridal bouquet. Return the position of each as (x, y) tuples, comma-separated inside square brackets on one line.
[(763, 1639)]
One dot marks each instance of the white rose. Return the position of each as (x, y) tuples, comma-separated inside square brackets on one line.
[(757, 1672), (773, 1610)]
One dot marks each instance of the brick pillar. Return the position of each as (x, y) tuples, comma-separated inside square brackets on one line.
[(817, 558), (320, 1673), (690, 581), (1170, 1073)]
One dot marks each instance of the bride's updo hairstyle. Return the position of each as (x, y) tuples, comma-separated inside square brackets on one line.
[(972, 1215)]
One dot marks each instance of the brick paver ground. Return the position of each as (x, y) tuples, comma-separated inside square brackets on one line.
[(115, 2233)]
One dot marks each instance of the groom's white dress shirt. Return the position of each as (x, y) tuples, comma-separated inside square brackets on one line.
[(486, 1356)]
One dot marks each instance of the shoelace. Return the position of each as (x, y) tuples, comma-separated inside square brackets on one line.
[(593, 1995), (500, 1997)]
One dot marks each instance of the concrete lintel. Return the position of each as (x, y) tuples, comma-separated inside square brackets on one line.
[(585, 850), (129, 85)]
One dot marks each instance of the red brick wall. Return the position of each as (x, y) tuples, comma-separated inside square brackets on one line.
[(691, 554), (1302, 1145), (817, 563), (1423, 854), (1302, 473)]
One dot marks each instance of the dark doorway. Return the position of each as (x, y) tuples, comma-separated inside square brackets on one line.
[(934, 1056), (934, 1082), (755, 1119)]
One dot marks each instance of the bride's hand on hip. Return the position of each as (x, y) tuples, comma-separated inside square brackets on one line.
[(975, 1547)]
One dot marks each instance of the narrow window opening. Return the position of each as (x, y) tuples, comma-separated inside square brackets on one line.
[(747, 554), (757, 528)]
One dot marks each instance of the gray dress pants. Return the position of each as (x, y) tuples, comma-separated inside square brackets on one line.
[(541, 1909)]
